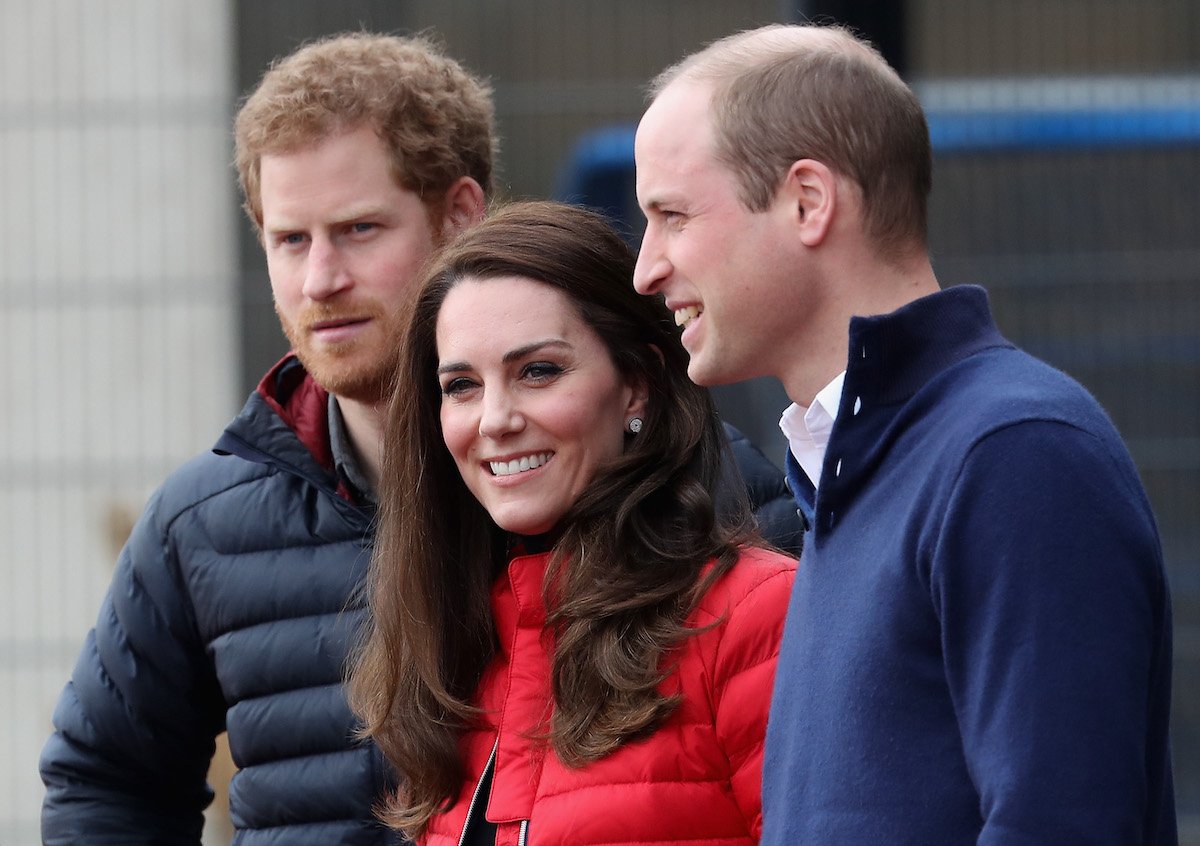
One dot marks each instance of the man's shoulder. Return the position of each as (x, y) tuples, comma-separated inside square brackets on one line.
[(218, 477), (205, 476), (1006, 415), (993, 413), (999, 388), (253, 447), (763, 480)]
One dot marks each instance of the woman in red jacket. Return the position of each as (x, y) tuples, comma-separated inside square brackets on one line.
[(568, 647)]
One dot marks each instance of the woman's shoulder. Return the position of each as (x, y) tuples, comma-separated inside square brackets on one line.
[(742, 614), (759, 581), (763, 559)]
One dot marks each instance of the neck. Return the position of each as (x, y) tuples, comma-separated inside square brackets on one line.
[(364, 425), (865, 289)]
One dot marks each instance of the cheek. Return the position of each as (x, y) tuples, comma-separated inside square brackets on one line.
[(404, 260), (456, 432), (408, 253), (283, 288), (604, 430)]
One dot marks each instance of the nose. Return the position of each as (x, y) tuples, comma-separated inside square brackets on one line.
[(324, 273), (652, 267), (499, 415)]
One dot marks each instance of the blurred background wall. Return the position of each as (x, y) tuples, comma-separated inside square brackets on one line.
[(135, 311), (118, 315)]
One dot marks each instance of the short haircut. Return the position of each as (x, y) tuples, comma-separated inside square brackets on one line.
[(435, 117), (783, 93)]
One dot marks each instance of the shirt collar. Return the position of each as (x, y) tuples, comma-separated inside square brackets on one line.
[(345, 458), (808, 429)]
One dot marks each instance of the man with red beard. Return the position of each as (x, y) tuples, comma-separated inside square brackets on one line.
[(234, 604)]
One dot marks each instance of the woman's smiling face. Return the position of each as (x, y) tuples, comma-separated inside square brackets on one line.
[(532, 404)]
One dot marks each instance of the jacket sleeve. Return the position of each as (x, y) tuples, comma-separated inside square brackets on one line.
[(765, 487), (744, 676), (1049, 584), (134, 727)]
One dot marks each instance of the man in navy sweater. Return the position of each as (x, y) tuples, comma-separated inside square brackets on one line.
[(978, 649)]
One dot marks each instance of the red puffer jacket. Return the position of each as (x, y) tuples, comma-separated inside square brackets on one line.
[(694, 782)]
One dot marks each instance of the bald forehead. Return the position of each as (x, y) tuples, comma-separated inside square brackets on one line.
[(677, 132), (735, 54), (674, 141), (679, 113)]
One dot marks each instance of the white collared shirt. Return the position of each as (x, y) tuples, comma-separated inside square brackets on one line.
[(807, 429)]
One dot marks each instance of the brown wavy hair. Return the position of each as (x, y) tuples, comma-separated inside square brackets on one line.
[(435, 117), (628, 562)]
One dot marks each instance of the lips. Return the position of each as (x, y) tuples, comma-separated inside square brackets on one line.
[(337, 323), (341, 330)]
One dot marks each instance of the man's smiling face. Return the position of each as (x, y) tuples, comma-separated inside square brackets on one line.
[(723, 269)]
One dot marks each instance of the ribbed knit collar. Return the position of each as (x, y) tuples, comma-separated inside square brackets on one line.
[(896, 354)]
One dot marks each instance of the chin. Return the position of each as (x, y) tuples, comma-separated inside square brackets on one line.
[(359, 383), (710, 374), (524, 527), (706, 377)]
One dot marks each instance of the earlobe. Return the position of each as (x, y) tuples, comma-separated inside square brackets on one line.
[(464, 205), (811, 190)]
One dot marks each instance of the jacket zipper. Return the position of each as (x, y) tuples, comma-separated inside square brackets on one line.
[(524, 833), (462, 838)]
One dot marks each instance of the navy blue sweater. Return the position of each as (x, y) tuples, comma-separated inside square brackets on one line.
[(978, 649)]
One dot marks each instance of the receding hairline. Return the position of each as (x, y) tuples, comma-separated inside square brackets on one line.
[(728, 57)]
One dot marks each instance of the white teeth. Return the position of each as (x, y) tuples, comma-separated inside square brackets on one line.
[(519, 465), (684, 316)]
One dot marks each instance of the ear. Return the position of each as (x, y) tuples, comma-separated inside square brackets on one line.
[(638, 397), (810, 190), (463, 205)]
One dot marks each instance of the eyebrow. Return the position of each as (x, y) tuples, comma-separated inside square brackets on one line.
[(509, 357), (353, 214), (658, 204)]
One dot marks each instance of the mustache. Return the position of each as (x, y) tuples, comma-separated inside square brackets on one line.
[(315, 314)]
